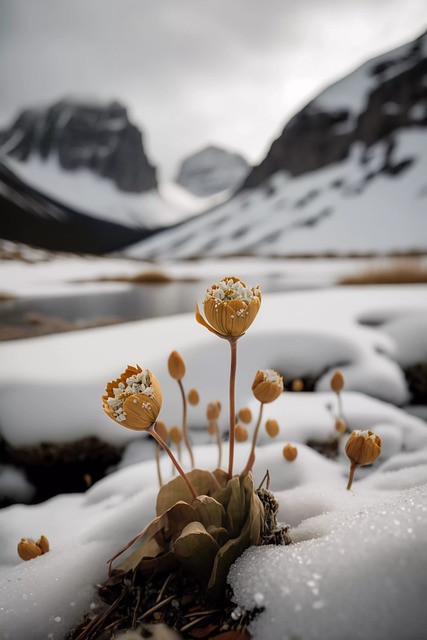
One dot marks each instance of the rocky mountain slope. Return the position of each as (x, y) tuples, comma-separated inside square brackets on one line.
[(211, 171), (347, 175)]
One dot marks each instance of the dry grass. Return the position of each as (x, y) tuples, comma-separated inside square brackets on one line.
[(145, 277), (402, 271), (6, 297)]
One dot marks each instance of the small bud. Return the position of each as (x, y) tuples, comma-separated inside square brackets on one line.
[(267, 385), (363, 447), (162, 430), (212, 427), (245, 415), (87, 479), (176, 366), (213, 410), (272, 427), (337, 382), (193, 397), (297, 385), (175, 434), (290, 452), (240, 433), (28, 549), (43, 544), (340, 426)]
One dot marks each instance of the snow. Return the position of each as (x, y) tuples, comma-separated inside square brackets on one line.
[(71, 370), (98, 197), (346, 212)]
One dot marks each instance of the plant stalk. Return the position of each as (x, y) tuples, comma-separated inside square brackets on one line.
[(184, 476), (232, 400), (159, 473), (251, 459), (351, 476), (184, 423)]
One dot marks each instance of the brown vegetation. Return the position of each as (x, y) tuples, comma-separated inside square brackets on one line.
[(401, 271)]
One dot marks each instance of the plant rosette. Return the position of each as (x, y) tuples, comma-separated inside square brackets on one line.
[(204, 536)]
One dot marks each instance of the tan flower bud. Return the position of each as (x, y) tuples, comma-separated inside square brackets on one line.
[(337, 382), (43, 544), (272, 427), (212, 427), (230, 308), (363, 447), (176, 366), (162, 430), (213, 410), (340, 426), (290, 452), (28, 549), (175, 434), (134, 400), (240, 433), (267, 385), (193, 397), (297, 385), (245, 415)]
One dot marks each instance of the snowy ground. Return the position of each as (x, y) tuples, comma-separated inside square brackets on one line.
[(359, 565)]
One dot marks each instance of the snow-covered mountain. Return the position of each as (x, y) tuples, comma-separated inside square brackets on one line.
[(212, 170), (346, 176)]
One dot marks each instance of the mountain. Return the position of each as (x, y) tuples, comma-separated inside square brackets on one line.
[(346, 176), (212, 170)]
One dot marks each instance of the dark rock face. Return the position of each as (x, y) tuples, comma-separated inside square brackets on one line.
[(99, 138), (211, 171), (317, 137)]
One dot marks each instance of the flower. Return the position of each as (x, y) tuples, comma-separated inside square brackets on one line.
[(213, 410), (363, 447), (340, 426), (230, 308), (162, 430), (290, 452), (267, 385), (272, 427), (193, 397), (337, 382), (133, 400), (176, 366), (241, 433), (175, 434), (28, 549), (298, 385), (245, 415)]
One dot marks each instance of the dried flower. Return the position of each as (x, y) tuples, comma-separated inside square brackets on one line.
[(337, 382), (272, 427), (28, 549), (363, 447), (176, 366), (213, 410), (340, 426), (267, 385), (175, 435), (245, 415), (241, 433), (193, 397), (297, 385), (162, 430), (290, 452), (133, 400), (230, 307)]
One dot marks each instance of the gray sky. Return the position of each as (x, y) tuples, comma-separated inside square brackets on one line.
[(193, 72)]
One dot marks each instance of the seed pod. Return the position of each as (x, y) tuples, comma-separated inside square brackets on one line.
[(340, 426), (297, 385), (290, 452), (175, 435), (240, 433), (213, 410), (28, 549), (193, 397), (245, 415), (337, 382), (176, 366), (162, 430), (363, 447), (267, 385), (43, 544), (272, 427)]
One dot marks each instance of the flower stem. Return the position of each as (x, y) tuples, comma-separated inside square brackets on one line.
[(351, 476), (159, 473), (251, 458), (184, 423), (232, 399), (184, 476), (219, 443)]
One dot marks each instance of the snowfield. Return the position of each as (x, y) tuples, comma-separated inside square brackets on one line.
[(358, 568)]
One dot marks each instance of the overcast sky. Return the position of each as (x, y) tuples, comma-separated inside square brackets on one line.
[(193, 72)]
